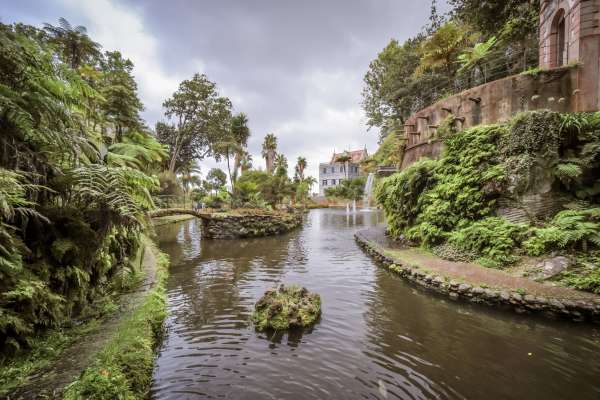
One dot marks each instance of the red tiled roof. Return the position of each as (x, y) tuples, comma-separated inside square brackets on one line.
[(356, 155)]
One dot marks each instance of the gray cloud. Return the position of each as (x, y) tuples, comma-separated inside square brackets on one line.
[(295, 67)]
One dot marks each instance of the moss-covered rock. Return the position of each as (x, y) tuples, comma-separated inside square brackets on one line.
[(286, 307)]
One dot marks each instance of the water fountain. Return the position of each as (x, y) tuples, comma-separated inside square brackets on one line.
[(347, 208), (354, 206), (368, 191)]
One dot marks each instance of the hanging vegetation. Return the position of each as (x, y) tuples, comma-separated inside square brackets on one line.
[(452, 202)]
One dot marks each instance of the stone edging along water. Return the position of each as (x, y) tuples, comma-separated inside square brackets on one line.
[(576, 310)]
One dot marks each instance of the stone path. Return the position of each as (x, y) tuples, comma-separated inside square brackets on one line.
[(477, 283), (49, 382), (470, 273)]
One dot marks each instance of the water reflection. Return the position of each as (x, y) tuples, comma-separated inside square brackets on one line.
[(378, 336)]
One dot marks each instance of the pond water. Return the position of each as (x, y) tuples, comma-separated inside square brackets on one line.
[(379, 337)]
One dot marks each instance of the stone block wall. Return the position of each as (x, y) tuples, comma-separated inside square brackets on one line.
[(234, 226), (490, 103)]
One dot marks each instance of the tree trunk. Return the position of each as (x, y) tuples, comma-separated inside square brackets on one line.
[(229, 168), (236, 165)]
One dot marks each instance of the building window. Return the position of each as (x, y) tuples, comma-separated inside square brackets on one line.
[(324, 170), (333, 182), (324, 182), (559, 45)]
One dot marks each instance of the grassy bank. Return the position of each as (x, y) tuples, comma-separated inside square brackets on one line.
[(123, 369), (46, 348)]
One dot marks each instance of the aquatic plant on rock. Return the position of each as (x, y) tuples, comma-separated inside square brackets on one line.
[(286, 307)]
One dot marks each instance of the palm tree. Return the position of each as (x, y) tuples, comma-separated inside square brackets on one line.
[(246, 162), (443, 47), (240, 133), (300, 167), (269, 151), (344, 158), (310, 181), (281, 165), (473, 58), (188, 178), (76, 46)]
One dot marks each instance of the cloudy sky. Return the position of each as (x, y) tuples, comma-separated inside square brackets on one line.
[(295, 67)]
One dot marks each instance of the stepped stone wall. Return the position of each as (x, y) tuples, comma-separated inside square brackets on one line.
[(494, 102)]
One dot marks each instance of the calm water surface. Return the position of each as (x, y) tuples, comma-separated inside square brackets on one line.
[(378, 338)]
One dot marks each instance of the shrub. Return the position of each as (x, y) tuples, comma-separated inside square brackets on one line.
[(400, 194), (350, 189), (586, 275), (492, 239), (569, 228)]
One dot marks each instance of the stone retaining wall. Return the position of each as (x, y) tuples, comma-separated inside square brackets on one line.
[(234, 226), (520, 303)]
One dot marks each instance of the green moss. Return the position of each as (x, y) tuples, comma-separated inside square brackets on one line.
[(43, 350), (286, 307), (123, 369)]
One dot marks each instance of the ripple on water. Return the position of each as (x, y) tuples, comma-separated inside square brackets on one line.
[(378, 336)]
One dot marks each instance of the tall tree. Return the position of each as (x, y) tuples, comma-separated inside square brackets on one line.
[(119, 89), (240, 134), (74, 44), (344, 158), (246, 162), (216, 179), (281, 165), (300, 167), (441, 50), (269, 150), (202, 119)]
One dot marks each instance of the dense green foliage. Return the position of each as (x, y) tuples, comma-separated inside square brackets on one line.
[(123, 369), (476, 42), (431, 198), (349, 189), (76, 177), (452, 202)]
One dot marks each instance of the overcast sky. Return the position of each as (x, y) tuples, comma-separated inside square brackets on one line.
[(295, 67)]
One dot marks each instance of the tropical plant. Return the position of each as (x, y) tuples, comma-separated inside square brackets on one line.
[(246, 162), (300, 167), (281, 165), (344, 158), (269, 151), (474, 57), (240, 133), (75, 45), (350, 189), (441, 50)]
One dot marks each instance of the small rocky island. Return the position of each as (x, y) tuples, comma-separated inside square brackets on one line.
[(286, 307)]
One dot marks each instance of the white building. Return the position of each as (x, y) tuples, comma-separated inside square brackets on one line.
[(335, 172)]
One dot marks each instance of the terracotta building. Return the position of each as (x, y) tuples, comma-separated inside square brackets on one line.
[(569, 34)]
